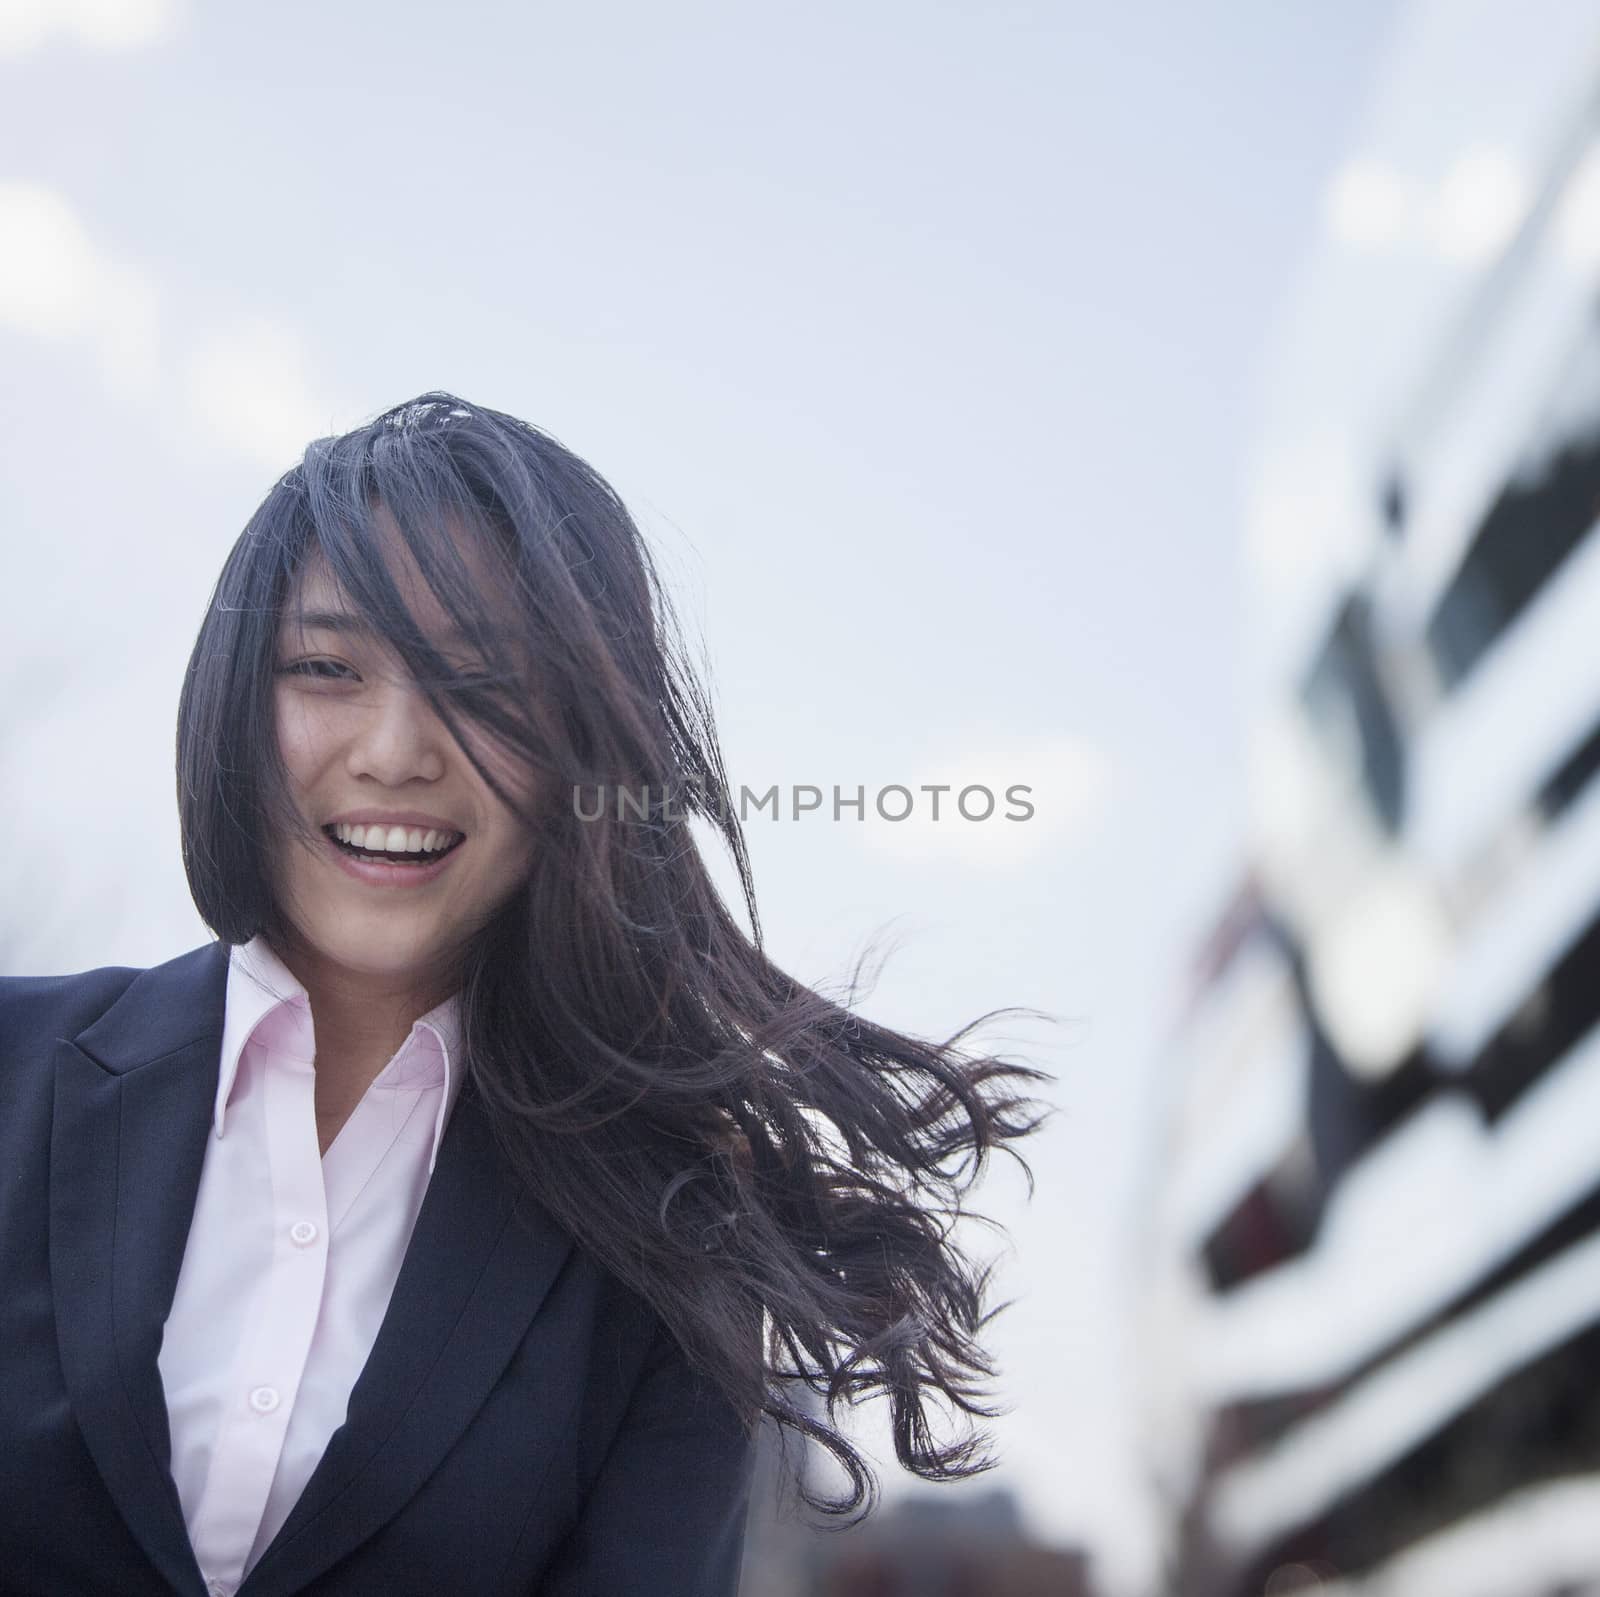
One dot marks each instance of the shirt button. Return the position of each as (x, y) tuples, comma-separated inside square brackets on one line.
[(303, 1233), (219, 1588), (264, 1399)]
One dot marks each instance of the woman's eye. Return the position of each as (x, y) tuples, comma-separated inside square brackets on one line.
[(471, 676), (324, 670)]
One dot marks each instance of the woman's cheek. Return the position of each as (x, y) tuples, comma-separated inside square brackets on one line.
[(306, 733)]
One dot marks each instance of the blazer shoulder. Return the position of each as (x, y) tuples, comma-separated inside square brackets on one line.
[(34, 1008)]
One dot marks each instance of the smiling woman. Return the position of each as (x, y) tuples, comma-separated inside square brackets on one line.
[(449, 1223), (352, 724)]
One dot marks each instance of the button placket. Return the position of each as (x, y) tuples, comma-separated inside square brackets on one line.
[(271, 1356)]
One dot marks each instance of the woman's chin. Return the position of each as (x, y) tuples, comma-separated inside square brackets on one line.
[(379, 950)]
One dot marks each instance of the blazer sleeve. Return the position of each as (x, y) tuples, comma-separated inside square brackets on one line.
[(666, 1514)]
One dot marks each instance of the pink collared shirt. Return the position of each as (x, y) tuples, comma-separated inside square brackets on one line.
[(291, 1259)]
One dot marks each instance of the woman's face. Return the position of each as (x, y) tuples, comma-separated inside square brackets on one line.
[(416, 853)]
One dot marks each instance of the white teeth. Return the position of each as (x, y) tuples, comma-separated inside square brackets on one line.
[(378, 839)]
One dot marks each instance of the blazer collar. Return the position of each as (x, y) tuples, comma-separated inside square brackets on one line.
[(135, 1094)]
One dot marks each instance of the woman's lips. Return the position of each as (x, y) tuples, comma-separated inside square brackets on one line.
[(376, 874)]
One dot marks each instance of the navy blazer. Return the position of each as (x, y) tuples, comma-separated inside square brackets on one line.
[(524, 1424)]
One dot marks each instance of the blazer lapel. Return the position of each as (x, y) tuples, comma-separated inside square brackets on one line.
[(478, 1267), (133, 1098), (133, 1102)]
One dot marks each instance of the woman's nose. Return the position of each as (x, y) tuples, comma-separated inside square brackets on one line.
[(400, 739)]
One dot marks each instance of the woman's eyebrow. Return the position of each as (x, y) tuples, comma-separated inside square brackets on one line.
[(328, 621), (348, 621)]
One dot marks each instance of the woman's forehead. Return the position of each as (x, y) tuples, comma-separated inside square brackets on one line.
[(317, 593)]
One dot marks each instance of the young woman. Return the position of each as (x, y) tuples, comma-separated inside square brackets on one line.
[(448, 1223)]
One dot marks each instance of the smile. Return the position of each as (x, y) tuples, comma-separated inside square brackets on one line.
[(413, 844), (370, 859)]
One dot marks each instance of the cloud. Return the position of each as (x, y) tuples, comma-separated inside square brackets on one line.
[(1469, 216), (1070, 782), (1367, 205), (58, 284), (250, 386), (1477, 207), (26, 25), (247, 385)]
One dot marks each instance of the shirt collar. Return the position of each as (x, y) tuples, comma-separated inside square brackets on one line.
[(260, 985)]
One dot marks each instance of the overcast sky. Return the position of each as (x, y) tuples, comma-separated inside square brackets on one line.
[(924, 341)]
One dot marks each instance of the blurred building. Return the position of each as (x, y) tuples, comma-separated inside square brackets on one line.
[(778, 1533), (1371, 1339), (954, 1543), (928, 1546)]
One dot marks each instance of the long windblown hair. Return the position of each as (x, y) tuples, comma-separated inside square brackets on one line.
[(779, 1178)]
